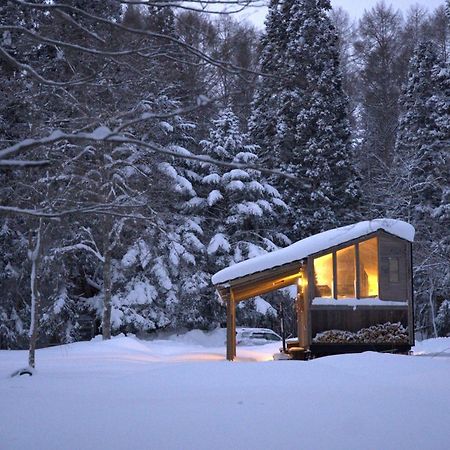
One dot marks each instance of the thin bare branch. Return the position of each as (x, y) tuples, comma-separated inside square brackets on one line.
[(29, 70)]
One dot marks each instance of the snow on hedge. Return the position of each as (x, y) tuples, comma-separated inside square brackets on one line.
[(314, 244)]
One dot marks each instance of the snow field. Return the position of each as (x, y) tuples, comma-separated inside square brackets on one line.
[(179, 393)]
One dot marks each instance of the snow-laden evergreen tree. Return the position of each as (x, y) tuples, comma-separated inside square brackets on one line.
[(416, 157), (242, 205), (443, 319), (242, 208), (421, 173), (441, 214), (311, 137), (263, 119), (162, 278)]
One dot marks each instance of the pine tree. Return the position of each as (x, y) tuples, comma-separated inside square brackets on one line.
[(263, 119), (417, 134), (311, 137), (242, 208)]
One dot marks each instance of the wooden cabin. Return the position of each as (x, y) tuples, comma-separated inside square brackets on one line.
[(353, 288)]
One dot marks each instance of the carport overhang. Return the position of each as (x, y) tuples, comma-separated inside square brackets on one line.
[(260, 283)]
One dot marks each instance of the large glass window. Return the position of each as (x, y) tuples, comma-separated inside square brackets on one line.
[(368, 268), (323, 273), (346, 272)]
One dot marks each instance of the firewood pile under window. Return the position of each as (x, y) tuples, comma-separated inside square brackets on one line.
[(392, 333)]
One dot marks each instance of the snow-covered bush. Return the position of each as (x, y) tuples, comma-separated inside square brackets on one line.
[(443, 319)]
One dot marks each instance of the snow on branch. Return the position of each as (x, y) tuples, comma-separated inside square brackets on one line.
[(104, 134), (81, 246), (101, 209), (23, 163)]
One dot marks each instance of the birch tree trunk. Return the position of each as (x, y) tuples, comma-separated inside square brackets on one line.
[(34, 256), (433, 309), (107, 278), (106, 321)]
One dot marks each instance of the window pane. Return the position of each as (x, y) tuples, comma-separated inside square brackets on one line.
[(323, 274), (368, 268), (346, 272)]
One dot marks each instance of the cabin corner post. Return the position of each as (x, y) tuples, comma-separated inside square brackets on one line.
[(411, 315), (231, 326)]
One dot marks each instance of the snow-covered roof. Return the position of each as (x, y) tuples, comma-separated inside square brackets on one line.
[(311, 245)]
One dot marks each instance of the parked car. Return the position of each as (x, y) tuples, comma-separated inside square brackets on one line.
[(256, 336)]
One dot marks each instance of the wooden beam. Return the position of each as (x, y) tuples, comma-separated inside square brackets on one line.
[(261, 288), (231, 327)]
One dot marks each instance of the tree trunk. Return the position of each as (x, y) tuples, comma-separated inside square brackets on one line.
[(107, 278), (433, 309), (34, 256), (106, 322)]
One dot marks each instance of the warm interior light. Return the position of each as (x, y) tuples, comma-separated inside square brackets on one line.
[(368, 267), (346, 274), (323, 272)]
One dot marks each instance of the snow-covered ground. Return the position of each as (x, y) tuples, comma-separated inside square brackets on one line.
[(180, 394)]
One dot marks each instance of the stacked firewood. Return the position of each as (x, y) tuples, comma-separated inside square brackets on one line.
[(390, 333)]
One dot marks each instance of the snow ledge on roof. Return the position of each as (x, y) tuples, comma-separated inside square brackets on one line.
[(313, 244)]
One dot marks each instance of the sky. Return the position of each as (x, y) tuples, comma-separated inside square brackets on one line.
[(354, 7)]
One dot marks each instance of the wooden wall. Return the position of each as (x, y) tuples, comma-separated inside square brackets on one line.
[(348, 319), (393, 251)]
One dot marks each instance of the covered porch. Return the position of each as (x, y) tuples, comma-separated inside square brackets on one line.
[(263, 282)]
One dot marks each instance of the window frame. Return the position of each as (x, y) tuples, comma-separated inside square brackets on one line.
[(355, 243), (355, 272)]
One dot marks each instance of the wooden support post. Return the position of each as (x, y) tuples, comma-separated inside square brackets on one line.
[(300, 314), (357, 273), (410, 291), (303, 311), (231, 327), (335, 293)]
